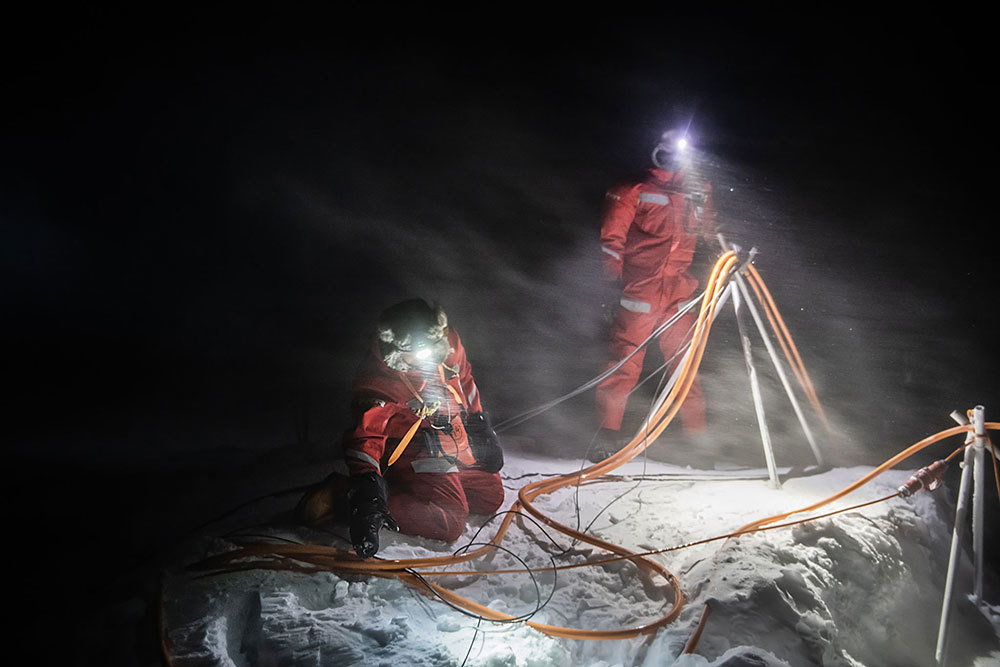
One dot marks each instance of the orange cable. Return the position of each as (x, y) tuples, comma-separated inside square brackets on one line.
[(906, 453), (329, 558), (778, 324)]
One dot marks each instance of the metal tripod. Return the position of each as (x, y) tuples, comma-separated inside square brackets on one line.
[(741, 296), (758, 402)]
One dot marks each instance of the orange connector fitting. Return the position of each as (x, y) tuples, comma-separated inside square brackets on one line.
[(928, 478)]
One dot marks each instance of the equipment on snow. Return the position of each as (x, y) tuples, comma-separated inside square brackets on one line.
[(320, 504), (606, 443)]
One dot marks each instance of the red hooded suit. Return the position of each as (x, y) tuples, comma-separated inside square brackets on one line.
[(432, 484), (648, 235)]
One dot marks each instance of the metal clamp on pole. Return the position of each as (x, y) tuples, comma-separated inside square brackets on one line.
[(751, 255)]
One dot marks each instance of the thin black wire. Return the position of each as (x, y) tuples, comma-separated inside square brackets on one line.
[(472, 643), (509, 423), (539, 605), (534, 412), (531, 571), (237, 508), (645, 463), (645, 458)]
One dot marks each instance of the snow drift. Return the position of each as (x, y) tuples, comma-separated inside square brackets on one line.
[(859, 588)]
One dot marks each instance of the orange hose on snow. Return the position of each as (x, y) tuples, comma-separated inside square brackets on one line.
[(335, 559), (312, 558)]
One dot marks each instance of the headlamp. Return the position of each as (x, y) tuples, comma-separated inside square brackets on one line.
[(671, 151)]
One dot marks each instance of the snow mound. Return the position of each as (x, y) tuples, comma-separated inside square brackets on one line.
[(862, 588)]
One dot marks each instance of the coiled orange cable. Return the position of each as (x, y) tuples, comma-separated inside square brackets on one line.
[(315, 558), (336, 560)]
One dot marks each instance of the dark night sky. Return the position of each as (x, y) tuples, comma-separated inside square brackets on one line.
[(203, 214), (200, 212), (182, 198)]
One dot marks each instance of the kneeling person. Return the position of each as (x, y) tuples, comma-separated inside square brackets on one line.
[(422, 454)]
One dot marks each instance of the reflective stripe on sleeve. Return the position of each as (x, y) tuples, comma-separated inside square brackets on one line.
[(635, 306), (611, 252), (473, 393), (654, 198), (361, 456)]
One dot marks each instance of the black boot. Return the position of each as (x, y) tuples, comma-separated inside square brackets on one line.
[(606, 443), (369, 512)]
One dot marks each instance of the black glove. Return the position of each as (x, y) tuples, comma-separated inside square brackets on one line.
[(483, 442), (369, 512)]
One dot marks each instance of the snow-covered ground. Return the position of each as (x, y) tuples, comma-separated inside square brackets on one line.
[(859, 588)]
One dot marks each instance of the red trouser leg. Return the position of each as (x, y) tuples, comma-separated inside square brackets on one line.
[(436, 505), (483, 491), (627, 332), (692, 410)]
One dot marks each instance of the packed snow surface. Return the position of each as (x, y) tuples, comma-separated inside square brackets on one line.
[(861, 588)]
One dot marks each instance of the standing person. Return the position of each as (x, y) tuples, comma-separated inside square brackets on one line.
[(422, 454), (649, 230)]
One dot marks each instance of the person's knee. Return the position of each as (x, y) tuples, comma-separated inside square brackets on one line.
[(493, 498), (427, 518), (485, 492), (452, 526)]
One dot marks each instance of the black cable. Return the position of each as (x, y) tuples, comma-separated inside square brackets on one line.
[(530, 571), (645, 461), (274, 494), (645, 457), (534, 412), (475, 634), (663, 366), (522, 515), (515, 619)]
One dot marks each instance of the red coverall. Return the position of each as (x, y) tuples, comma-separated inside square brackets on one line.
[(649, 230), (431, 489)]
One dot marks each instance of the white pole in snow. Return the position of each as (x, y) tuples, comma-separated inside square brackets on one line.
[(969, 464), (758, 403), (775, 361), (978, 477), (780, 371)]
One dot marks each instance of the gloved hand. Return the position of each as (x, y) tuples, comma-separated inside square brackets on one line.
[(483, 442), (369, 512)]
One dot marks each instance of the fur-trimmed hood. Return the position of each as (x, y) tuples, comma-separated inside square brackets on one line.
[(411, 327)]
